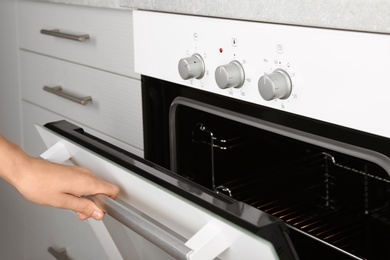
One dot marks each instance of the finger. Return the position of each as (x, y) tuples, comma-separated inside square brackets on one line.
[(92, 185), (85, 207), (111, 190)]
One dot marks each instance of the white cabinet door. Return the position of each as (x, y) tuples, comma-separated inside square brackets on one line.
[(205, 234)]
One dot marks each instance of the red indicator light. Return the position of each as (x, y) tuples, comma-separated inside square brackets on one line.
[(220, 50)]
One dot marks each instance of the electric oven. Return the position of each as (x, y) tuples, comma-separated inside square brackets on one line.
[(262, 141), (289, 120)]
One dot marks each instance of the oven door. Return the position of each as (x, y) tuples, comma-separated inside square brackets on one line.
[(153, 219)]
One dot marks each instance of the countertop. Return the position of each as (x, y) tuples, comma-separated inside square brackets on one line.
[(359, 15)]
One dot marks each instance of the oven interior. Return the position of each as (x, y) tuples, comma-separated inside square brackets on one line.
[(334, 205)]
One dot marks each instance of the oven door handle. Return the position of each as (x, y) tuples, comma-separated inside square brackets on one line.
[(144, 226), (207, 243)]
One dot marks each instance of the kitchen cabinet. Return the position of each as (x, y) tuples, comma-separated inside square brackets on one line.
[(115, 106), (101, 67), (109, 45)]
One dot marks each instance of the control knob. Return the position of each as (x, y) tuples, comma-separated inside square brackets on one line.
[(275, 85), (231, 75), (192, 67)]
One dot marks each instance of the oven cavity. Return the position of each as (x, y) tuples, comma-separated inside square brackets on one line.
[(330, 201)]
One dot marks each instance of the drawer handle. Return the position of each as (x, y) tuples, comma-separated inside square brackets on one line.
[(59, 254), (57, 90), (57, 33)]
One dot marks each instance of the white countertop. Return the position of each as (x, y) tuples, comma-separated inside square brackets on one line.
[(361, 15)]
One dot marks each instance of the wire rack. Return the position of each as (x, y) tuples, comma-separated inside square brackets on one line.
[(343, 205)]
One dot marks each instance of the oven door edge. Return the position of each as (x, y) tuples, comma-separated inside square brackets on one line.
[(180, 216)]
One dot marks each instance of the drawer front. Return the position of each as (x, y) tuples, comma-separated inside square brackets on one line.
[(110, 43), (115, 109), (32, 142), (59, 229)]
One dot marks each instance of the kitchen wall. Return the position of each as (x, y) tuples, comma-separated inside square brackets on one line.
[(9, 90), (12, 225)]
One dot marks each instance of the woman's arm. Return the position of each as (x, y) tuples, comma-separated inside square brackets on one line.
[(52, 184)]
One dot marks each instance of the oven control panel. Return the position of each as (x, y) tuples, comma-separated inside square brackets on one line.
[(335, 76)]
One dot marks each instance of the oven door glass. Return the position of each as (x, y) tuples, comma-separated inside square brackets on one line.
[(202, 232), (321, 194)]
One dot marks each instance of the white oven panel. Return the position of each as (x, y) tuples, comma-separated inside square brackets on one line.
[(340, 77)]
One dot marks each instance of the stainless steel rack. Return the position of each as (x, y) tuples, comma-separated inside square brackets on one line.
[(342, 205)]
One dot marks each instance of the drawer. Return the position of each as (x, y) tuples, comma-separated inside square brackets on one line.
[(32, 143), (59, 229), (110, 43), (115, 109)]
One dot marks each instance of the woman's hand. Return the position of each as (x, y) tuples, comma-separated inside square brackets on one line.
[(63, 186), (52, 184)]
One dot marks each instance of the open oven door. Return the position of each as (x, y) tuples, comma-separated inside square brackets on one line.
[(158, 214)]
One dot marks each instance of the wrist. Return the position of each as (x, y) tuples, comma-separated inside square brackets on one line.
[(12, 161)]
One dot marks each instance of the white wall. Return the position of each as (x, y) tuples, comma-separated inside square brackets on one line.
[(12, 224), (9, 90)]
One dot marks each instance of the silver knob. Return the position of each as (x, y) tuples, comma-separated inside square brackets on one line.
[(191, 67), (275, 85), (231, 75)]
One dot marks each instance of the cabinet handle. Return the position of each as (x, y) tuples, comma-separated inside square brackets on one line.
[(57, 90), (144, 226), (59, 254), (73, 37)]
